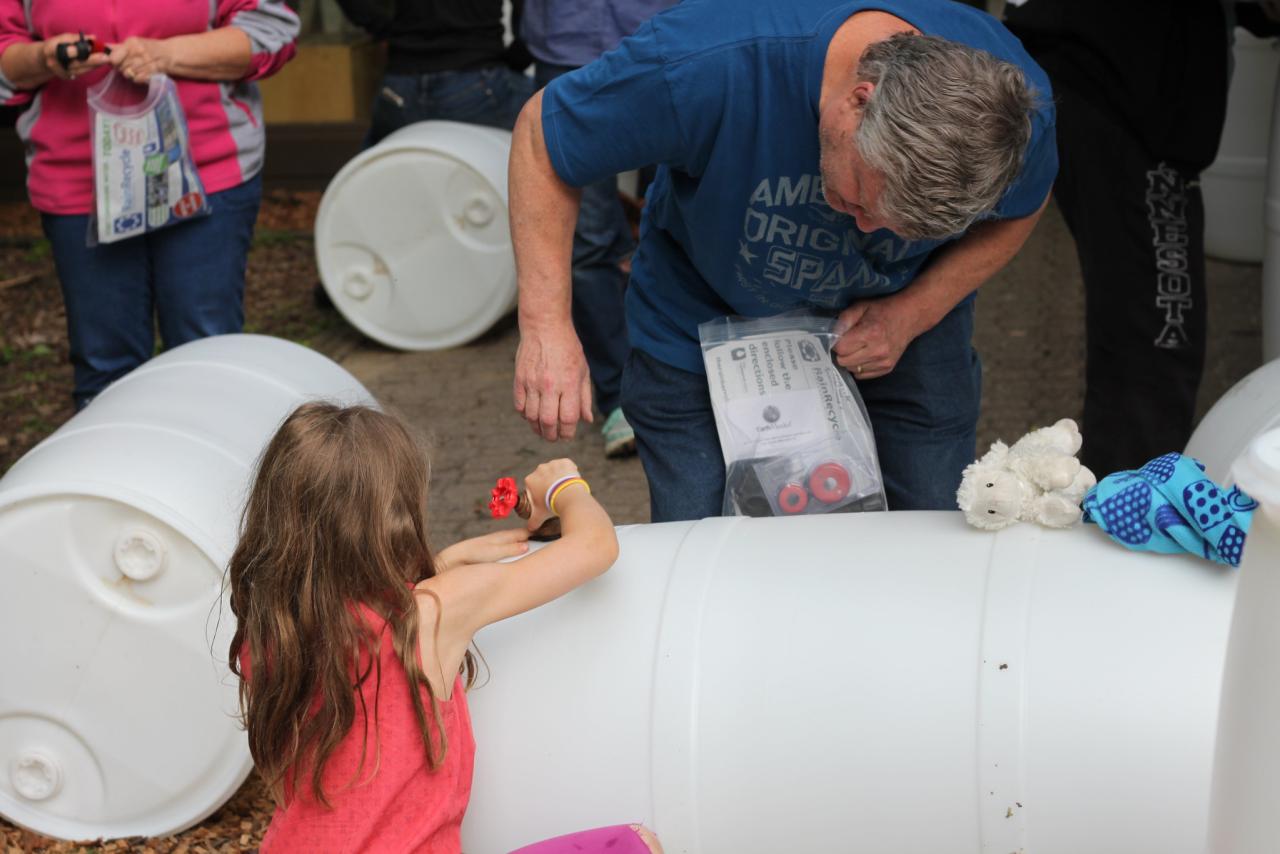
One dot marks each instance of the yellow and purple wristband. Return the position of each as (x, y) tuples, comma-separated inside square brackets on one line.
[(560, 486)]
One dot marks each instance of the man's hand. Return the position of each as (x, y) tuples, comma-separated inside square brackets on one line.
[(137, 59), (552, 387), (490, 548), (874, 333), (872, 336)]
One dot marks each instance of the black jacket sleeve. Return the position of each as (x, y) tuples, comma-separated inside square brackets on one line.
[(372, 16)]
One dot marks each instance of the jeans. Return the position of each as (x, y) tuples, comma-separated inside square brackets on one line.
[(490, 96), (924, 415), (601, 240), (188, 277)]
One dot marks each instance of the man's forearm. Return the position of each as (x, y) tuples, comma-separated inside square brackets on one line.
[(552, 388), (961, 268), (543, 210)]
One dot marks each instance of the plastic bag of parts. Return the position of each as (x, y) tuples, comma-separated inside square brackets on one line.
[(792, 426), (143, 174)]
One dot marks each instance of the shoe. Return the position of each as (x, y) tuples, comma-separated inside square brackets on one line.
[(619, 438)]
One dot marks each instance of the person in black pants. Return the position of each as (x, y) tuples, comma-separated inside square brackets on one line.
[(445, 60), (1141, 90)]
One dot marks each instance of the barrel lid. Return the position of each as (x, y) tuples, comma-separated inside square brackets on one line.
[(117, 710), (1257, 471), (412, 240)]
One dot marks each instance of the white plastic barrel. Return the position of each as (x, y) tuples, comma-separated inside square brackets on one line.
[(1233, 184), (117, 710), (866, 683), (1248, 409), (1246, 783), (412, 239)]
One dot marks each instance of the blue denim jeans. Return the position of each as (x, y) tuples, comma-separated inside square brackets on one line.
[(601, 240), (924, 415), (188, 279), (490, 96)]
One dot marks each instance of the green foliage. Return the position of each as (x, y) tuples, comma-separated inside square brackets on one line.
[(264, 237), (41, 250)]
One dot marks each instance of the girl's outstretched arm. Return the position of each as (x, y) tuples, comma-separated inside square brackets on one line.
[(473, 596), (488, 548)]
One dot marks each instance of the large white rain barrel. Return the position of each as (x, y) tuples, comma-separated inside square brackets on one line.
[(412, 239), (892, 682), (117, 710), (1248, 409), (1233, 184), (1246, 773)]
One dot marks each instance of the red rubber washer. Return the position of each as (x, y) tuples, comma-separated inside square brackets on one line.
[(187, 206), (830, 482), (792, 498)]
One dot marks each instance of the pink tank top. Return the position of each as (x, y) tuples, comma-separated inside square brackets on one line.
[(397, 803)]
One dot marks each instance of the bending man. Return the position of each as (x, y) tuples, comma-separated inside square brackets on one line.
[(847, 159)]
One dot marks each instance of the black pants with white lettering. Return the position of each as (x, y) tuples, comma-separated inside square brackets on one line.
[(1138, 223)]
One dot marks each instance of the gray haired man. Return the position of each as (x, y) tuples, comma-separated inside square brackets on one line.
[(879, 160)]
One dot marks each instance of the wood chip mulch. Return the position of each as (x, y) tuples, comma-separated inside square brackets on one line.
[(237, 826)]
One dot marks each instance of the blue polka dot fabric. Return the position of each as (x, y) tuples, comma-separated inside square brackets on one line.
[(1169, 506)]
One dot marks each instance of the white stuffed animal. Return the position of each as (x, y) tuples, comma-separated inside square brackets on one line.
[(1038, 479)]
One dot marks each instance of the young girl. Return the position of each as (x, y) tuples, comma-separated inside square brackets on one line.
[(353, 640)]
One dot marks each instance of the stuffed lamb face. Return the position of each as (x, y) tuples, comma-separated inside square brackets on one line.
[(991, 498), (1037, 479)]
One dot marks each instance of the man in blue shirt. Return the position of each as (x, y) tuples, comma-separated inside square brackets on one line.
[(876, 159)]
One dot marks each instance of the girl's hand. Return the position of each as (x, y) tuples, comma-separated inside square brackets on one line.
[(137, 58), (490, 548), (537, 483), (49, 57)]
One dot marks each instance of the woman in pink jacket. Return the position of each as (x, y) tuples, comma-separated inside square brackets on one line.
[(188, 277)]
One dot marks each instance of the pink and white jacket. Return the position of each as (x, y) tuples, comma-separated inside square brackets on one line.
[(224, 118)]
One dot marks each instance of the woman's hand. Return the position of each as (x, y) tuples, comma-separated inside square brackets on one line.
[(490, 548), (51, 65), (138, 59)]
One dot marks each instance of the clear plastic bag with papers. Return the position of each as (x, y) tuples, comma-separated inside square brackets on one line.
[(792, 426), (143, 175)]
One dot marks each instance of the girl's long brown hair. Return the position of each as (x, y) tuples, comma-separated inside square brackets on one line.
[(335, 520)]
